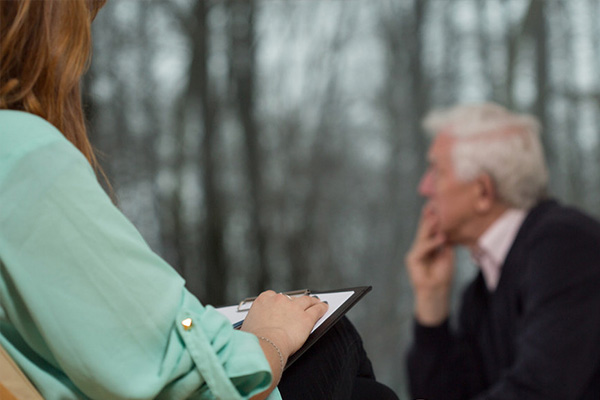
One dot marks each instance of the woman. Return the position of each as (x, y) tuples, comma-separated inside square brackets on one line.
[(86, 308)]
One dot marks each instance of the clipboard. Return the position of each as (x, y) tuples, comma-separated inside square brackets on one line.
[(339, 300)]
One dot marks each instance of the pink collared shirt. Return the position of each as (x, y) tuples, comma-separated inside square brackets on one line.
[(493, 246)]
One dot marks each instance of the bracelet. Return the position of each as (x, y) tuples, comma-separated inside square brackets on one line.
[(277, 349)]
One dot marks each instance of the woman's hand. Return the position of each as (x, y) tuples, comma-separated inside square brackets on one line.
[(284, 320)]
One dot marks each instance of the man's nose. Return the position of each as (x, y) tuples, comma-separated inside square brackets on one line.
[(426, 184)]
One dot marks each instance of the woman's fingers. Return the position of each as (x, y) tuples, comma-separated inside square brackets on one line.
[(305, 301), (268, 293), (317, 310), (286, 320)]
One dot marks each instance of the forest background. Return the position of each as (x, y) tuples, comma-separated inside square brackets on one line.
[(277, 143)]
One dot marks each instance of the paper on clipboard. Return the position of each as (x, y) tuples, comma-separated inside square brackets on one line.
[(333, 299), (340, 301)]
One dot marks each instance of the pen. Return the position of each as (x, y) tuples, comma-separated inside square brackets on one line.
[(247, 302), (238, 324)]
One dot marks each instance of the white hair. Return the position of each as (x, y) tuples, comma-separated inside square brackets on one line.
[(495, 141)]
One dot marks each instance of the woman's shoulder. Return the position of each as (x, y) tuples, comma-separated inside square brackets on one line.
[(20, 131), (23, 133), (32, 147)]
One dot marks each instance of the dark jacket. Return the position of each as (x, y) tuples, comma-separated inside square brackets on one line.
[(537, 336)]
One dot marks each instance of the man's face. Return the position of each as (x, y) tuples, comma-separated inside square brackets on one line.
[(451, 201)]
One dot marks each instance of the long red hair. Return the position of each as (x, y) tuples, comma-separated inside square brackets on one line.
[(45, 47)]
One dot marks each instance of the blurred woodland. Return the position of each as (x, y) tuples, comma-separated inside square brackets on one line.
[(277, 143)]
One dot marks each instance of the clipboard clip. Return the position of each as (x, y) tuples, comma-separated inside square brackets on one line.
[(247, 302)]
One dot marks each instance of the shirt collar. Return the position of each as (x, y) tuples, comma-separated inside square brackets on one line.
[(493, 246)]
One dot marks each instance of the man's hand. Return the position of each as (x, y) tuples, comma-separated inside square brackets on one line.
[(430, 265)]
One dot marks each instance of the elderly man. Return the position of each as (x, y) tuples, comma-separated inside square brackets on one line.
[(529, 323)]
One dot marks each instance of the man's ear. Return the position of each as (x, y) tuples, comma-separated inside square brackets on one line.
[(486, 193)]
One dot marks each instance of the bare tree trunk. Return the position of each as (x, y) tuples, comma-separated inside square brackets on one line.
[(242, 69), (574, 150), (514, 38), (420, 88), (450, 72), (402, 34), (540, 35), (306, 240), (486, 53), (595, 13), (213, 228), (172, 225), (512, 42)]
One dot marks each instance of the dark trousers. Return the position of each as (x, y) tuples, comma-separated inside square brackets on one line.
[(336, 367)]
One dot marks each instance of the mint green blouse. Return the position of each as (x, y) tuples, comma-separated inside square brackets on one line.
[(87, 310)]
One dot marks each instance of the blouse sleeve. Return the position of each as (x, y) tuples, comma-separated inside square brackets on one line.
[(86, 293)]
